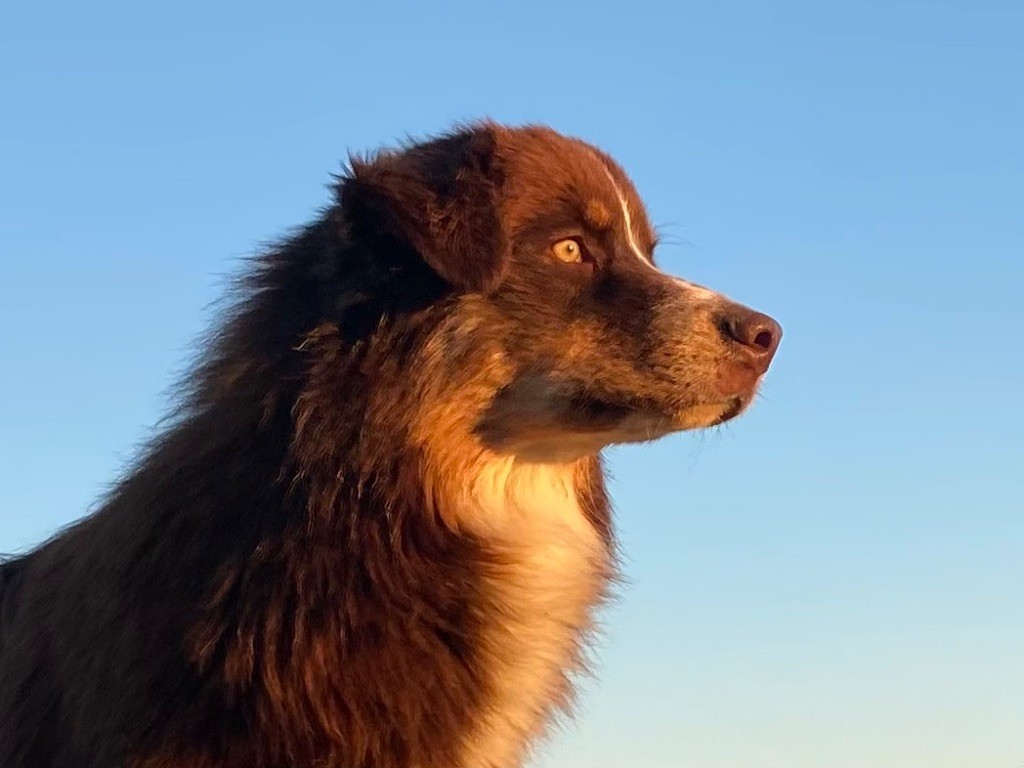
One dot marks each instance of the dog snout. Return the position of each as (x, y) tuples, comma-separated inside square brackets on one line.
[(755, 335)]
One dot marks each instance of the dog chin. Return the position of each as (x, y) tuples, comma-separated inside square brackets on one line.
[(710, 414)]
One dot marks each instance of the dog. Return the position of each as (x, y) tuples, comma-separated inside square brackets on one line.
[(375, 532)]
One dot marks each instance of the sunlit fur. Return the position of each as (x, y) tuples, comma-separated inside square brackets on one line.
[(375, 532)]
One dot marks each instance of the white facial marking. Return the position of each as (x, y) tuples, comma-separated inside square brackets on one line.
[(629, 220), (698, 292)]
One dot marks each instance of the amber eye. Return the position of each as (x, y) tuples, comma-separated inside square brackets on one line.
[(569, 250)]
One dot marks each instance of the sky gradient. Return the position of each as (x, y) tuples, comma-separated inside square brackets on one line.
[(833, 581)]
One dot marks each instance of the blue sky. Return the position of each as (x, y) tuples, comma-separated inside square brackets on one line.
[(833, 581)]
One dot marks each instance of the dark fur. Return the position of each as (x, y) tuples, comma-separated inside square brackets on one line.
[(276, 583)]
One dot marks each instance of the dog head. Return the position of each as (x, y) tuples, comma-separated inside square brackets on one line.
[(559, 335)]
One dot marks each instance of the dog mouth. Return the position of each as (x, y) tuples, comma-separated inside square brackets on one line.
[(544, 421), (642, 421)]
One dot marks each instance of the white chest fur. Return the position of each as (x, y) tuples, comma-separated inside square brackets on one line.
[(550, 570)]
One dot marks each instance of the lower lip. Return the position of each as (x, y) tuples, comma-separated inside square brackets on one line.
[(732, 410)]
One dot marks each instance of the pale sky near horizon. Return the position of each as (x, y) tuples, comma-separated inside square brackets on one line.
[(833, 581)]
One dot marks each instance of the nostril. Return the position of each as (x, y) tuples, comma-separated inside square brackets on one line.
[(764, 340), (757, 334)]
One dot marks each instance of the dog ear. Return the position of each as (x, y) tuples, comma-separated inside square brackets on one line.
[(442, 199)]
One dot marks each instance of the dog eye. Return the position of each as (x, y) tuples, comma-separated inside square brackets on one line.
[(569, 250)]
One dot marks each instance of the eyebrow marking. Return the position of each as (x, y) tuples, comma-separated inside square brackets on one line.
[(598, 215)]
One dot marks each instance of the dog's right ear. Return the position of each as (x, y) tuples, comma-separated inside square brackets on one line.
[(442, 199)]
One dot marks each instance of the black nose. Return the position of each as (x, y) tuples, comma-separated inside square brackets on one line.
[(757, 335)]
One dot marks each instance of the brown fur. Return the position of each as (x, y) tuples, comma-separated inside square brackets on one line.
[(377, 534)]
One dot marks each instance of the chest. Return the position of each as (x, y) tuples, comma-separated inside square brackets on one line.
[(548, 568)]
